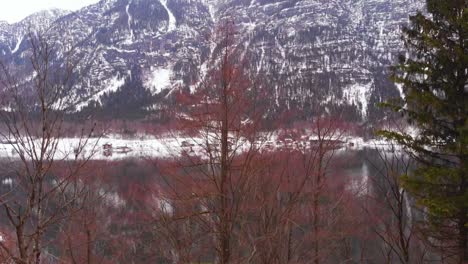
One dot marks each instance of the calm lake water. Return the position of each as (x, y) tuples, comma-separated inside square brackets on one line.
[(122, 180)]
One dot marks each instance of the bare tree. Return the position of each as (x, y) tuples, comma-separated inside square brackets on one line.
[(390, 208), (221, 139), (87, 235), (32, 118), (393, 215), (299, 210)]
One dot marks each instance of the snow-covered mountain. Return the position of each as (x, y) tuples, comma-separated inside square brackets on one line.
[(331, 55), (325, 52), (12, 35)]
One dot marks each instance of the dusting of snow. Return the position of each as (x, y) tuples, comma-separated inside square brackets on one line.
[(358, 14), (280, 48), (111, 86), (159, 80), (204, 67), (172, 20), (283, 54)]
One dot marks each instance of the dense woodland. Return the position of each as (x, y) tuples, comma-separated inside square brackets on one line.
[(225, 194)]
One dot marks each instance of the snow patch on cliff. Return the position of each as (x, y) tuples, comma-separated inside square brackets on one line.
[(172, 20), (399, 87), (159, 80), (359, 94), (18, 43), (260, 62), (129, 22)]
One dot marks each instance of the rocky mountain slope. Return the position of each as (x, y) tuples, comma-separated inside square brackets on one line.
[(317, 55), (12, 35), (325, 53)]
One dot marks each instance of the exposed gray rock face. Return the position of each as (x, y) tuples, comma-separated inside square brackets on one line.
[(331, 55)]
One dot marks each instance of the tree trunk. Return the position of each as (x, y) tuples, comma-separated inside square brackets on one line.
[(224, 217), (21, 245), (462, 223), (89, 247)]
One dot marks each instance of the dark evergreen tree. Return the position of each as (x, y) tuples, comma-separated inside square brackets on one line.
[(130, 101), (434, 79), (132, 95)]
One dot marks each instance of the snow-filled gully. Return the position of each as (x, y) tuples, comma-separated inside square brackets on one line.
[(172, 20)]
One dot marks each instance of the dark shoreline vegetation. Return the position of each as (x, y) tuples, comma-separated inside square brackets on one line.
[(240, 181)]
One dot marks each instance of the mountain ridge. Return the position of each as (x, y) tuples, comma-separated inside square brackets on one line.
[(332, 54)]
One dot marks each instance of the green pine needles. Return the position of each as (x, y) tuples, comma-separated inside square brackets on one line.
[(434, 80)]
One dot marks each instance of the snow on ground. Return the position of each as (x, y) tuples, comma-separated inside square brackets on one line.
[(121, 149), (159, 80), (116, 147), (172, 20)]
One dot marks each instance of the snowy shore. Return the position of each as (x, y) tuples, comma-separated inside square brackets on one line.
[(116, 147)]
